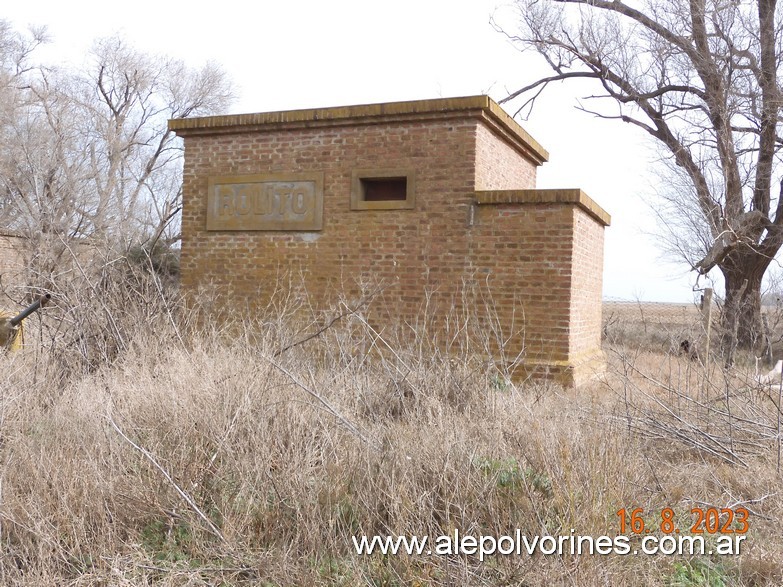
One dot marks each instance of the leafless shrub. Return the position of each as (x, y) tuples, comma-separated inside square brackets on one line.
[(109, 473), (723, 414)]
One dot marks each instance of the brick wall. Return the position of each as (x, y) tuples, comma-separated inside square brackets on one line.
[(522, 257), (547, 258), (587, 262), (498, 165), (522, 251), (406, 250)]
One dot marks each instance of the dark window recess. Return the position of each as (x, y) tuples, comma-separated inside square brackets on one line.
[(384, 189)]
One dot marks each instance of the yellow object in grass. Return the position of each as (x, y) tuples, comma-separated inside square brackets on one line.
[(11, 337)]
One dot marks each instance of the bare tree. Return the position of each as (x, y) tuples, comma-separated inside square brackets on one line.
[(15, 72), (87, 153), (127, 98), (701, 78)]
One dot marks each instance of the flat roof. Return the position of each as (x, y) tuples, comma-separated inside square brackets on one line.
[(465, 107), (546, 196)]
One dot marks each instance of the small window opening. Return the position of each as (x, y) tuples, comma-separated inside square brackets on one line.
[(386, 189), (383, 189)]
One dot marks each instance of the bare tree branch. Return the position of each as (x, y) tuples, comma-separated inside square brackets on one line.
[(702, 79)]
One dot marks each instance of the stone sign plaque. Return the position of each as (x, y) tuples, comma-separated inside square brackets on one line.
[(265, 202)]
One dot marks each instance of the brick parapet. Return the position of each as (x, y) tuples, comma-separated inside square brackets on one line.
[(481, 107), (540, 196)]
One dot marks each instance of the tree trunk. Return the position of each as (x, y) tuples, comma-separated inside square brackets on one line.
[(742, 324)]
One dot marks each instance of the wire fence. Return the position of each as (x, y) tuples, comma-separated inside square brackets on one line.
[(667, 326), (659, 326)]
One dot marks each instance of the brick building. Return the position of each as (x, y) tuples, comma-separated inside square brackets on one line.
[(435, 200)]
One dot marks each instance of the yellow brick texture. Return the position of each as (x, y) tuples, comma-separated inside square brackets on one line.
[(538, 263)]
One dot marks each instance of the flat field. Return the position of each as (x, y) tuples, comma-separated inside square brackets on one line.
[(652, 324)]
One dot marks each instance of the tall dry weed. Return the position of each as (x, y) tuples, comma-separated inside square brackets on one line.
[(166, 450)]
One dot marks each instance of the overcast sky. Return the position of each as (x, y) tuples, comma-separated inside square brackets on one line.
[(309, 53)]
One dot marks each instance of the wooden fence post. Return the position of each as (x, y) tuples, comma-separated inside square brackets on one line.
[(706, 313)]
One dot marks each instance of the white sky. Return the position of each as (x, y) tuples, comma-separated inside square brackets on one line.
[(290, 54)]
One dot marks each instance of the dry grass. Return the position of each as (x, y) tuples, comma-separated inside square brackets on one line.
[(189, 457)]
